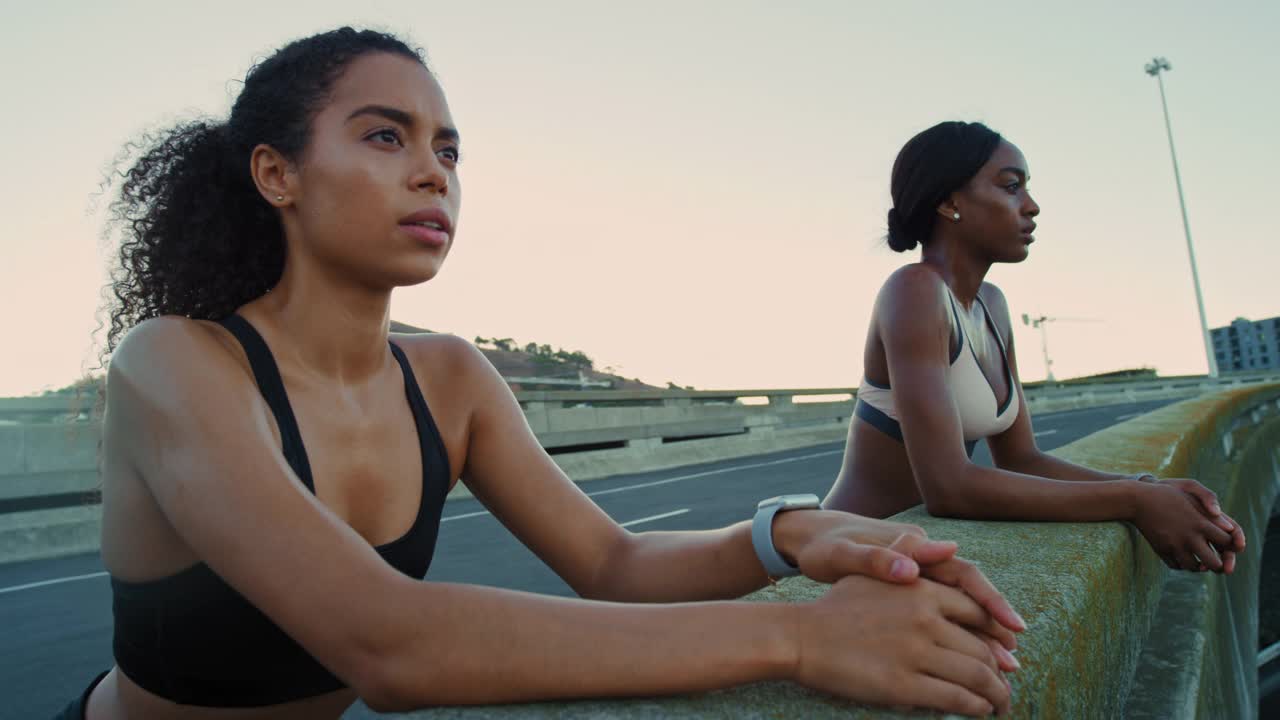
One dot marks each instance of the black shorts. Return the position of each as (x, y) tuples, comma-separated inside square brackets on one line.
[(78, 707)]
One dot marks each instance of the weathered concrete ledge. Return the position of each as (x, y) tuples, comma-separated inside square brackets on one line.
[(1112, 632)]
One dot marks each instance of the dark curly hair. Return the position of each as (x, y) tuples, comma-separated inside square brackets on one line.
[(931, 166), (198, 239)]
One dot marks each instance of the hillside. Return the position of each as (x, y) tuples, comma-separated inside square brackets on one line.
[(543, 363)]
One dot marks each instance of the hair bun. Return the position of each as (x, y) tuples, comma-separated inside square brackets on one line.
[(899, 240)]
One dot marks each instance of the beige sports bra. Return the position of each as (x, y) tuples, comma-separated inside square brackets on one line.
[(981, 415)]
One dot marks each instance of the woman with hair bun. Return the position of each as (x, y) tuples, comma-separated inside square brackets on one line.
[(940, 371)]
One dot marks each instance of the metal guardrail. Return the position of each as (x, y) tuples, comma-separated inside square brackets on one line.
[(589, 396), (37, 409), (565, 381), (44, 442), (1034, 392), (48, 470)]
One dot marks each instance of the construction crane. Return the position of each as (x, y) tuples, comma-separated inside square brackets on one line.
[(1039, 324)]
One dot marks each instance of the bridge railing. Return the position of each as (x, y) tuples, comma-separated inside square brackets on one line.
[(48, 446), (594, 417), (33, 410)]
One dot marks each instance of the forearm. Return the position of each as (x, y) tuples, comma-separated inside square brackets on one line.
[(683, 566), (985, 493), (722, 564), (471, 645), (1047, 466)]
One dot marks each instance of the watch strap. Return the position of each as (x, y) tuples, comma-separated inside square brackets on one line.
[(762, 540)]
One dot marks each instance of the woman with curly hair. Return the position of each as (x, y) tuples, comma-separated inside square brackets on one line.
[(274, 463), (941, 372)]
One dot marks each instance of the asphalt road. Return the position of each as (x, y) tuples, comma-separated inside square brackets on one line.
[(57, 613)]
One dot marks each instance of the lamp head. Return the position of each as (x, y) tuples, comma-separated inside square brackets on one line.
[(1157, 65)]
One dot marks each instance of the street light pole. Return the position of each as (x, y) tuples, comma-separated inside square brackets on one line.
[(1041, 324), (1154, 68)]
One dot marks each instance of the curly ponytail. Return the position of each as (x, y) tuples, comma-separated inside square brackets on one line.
[(198, 239)]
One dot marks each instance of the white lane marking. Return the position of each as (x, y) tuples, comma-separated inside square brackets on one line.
[(1122, 418), (637, 486), (1042, 433), (651, 518), (721, 471), (55, 581)]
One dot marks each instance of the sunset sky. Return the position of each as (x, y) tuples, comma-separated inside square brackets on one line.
[(696, 191)]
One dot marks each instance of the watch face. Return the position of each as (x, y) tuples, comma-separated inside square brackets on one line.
[(790, 502), (767, 502)]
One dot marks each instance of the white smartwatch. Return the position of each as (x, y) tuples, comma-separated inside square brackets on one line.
[(762, 531)]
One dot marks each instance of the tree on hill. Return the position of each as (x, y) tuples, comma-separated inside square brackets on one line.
[(545, 358), (504, 344), (577, 359)]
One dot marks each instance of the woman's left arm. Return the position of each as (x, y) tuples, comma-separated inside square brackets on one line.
[(508, 471), (1015, 449)]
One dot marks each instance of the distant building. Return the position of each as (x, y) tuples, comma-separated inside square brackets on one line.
[(1245, 345)]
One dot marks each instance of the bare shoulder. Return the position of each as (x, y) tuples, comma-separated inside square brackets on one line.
[(172, 349), (469, 388), (159, 336), (913, 285), (172, 381), (913, 279), (994, 297), (456, 378), (443, 355), (913, 293), (171, 377)]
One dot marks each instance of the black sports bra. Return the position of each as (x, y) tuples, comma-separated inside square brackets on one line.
[(191, 638)]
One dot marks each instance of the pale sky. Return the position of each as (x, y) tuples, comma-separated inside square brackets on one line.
[(696, 191)]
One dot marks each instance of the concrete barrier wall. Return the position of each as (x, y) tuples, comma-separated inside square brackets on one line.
[(46, 465), (47, 448), (1112, 632)]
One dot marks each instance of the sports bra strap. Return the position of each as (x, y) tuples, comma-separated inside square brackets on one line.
[(267, 373)]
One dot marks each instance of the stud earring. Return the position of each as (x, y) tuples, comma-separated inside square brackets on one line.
[(280, 198), (955, 216)]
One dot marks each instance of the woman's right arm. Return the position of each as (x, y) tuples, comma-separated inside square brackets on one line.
[(191, 423), (914, 328)]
